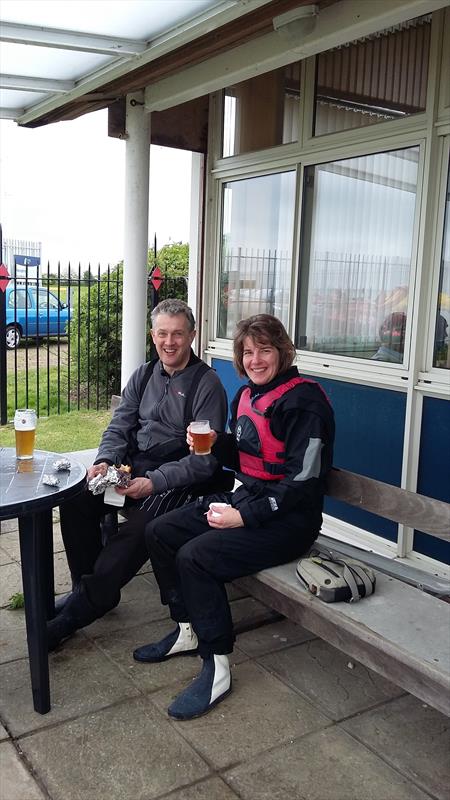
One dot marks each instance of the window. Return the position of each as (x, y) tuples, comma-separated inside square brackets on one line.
[(381, 77), (17, 299), (262, 112), (48, 300), (442, 330), (358, 221), (256, 249)]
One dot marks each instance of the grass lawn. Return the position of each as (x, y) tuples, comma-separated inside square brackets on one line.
[(78, 430)]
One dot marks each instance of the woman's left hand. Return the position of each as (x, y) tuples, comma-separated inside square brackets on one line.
[(229, 517)]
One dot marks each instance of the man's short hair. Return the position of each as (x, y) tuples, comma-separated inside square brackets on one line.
[(173, 307)]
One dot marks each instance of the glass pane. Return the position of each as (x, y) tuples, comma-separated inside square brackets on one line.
[(262, 112), (358, 222), (441, 339), (383, 76), (256, 249)]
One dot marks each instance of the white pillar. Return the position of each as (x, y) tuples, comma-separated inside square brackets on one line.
[(195, 237), (137, 163)]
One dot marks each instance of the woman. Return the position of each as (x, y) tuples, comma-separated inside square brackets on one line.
[(280, 445)]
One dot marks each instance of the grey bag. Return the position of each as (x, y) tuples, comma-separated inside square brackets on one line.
[(333, 578)]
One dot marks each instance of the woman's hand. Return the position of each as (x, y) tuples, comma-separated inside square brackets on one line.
[(227, 517), (190, 441), (138, 488)]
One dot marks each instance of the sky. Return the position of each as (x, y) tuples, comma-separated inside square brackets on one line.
[(63, 185)]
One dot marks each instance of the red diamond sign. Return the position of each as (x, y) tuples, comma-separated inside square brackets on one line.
[(5, 277), (156, 278)]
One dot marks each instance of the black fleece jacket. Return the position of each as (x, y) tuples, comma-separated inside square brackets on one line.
[(303, 419)]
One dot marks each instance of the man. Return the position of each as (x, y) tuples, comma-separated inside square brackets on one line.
[(148, 431)]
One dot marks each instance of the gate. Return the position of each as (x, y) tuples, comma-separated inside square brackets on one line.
[(60, 344)]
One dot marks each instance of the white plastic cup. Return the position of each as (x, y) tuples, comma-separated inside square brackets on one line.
[(201, 435), (217, 508), (25, 421)]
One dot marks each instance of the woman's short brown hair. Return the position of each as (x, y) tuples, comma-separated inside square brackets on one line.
[(263, 329)]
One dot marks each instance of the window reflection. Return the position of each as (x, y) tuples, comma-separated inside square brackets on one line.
[(441, 339), (358, 221), (381, 77), (256, 251), (262, 112)]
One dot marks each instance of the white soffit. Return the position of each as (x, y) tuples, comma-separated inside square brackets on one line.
[(82, 44), (335, 25)]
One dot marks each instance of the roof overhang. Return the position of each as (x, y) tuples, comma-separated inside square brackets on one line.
[(232, 42)]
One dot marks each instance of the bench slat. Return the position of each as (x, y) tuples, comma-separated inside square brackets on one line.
[(414, 510)]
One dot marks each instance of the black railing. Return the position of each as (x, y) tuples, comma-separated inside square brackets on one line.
[(63, 336)]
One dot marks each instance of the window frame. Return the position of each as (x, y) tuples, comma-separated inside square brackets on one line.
[(430, 131)]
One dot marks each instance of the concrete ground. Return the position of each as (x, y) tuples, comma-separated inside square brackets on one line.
[(302, 722)]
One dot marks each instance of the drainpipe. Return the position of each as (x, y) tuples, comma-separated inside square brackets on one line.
[(137, 162)]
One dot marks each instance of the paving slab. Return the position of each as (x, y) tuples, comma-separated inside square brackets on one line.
[(16, 782), (11, 582), (126, 752), (148, 677), (9, 541), (327, 765), (13, 636), (412, 737), (269, 638), (140, 603), (5, 557), (259, 713), (7, 525), (210, 789), (247, 609), (82, 679), (336, 684), (63, 581), (3, 734)]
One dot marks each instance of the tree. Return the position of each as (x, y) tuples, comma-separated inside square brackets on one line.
[(172, 259), (96, 331)]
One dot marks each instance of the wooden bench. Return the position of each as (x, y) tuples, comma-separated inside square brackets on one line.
[(400, 632)]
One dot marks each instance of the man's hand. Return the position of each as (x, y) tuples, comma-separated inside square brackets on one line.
[(97, 469), (138, 488), (190, 441), (229, 517)]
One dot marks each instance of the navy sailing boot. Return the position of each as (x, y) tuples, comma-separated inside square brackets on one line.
[(206, 691), (180, 642)]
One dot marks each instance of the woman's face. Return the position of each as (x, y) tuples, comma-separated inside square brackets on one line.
[(261, 361)]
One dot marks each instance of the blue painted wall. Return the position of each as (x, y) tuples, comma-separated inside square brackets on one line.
[(433, 478), (369, 440)]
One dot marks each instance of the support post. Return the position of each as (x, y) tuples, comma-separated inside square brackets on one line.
[(135, 273)]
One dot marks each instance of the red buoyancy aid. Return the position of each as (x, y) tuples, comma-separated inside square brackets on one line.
[(264, 454)]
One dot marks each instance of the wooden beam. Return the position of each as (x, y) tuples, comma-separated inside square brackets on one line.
[(409, 508)]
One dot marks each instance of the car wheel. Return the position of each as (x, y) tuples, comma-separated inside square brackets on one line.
[(12, 337)]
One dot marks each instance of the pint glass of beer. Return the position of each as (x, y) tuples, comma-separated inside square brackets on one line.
[(25, 429), (201, 435)]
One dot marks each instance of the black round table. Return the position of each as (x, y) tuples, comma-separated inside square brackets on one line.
[(24, 495)]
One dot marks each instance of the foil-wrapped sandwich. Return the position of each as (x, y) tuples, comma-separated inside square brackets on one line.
[(62, 464), (115, 476), (50, 480)]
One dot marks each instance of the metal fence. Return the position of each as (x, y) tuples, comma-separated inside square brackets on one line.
[(62, 336)]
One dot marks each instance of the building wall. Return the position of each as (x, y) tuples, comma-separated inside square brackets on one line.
[(362, 170)]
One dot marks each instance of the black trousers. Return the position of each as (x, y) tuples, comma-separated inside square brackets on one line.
[(192, 562), (102, 568)]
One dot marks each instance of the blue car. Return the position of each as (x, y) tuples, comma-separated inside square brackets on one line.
[(31, 312)]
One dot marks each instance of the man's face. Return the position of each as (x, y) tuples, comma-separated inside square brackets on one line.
[(173, 340)]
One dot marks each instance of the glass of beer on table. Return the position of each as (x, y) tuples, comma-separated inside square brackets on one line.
[(25, 429), (201, 435)]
